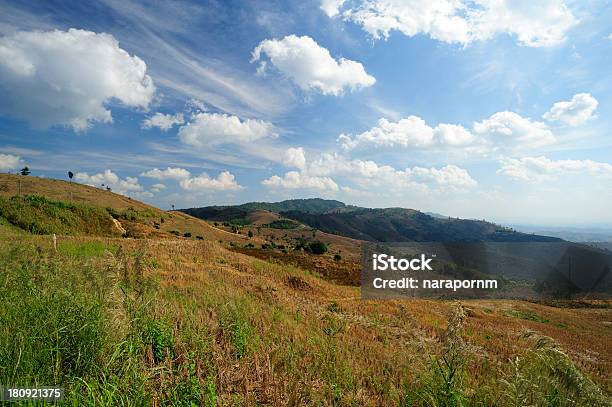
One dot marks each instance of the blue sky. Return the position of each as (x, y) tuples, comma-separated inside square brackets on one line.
[(481, 109)]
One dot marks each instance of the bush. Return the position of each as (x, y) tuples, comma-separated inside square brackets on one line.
[(337, 257), (317, 247), (199, 237), (283, 224), (187, 234)]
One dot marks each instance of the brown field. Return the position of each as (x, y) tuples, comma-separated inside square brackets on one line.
[(264, 328)]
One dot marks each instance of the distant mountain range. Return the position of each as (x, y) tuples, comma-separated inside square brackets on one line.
[(570, 233), (380, 225)]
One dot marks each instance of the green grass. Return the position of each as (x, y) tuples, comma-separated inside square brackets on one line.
[(41, 216), (84, 249), (528, 316), (60, 326)]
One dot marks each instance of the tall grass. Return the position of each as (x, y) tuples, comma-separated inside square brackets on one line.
[(185, 323), (39, 215)]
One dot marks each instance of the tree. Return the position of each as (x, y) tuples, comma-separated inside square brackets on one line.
[(250, 233), (25, 171), (70, 175)]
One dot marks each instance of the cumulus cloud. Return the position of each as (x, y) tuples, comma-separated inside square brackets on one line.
[(502, 131), (67, 77), (125, 186), (368, 173), (509, 128), (410, 132), (573, 112), (311, 66), (168, 173), (10, 162), (163, 121), (295, 157), (534, 24), (155, 188), (536, 169), (317, 173), (225, 181), (298, 180), (206, 129)]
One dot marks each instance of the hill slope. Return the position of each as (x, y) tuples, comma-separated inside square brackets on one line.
[(68, 207), (382, 225), (226, 213)]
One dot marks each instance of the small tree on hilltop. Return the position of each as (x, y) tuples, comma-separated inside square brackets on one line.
[(25, 171), (70, 175)]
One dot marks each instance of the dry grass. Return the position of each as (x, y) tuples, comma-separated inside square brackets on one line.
[(214, 326), (269, 333)]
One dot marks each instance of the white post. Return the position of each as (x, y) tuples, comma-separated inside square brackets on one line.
[(54, 243)]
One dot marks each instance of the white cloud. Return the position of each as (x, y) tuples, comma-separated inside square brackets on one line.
[(142, 194), (163, 121), (225, 181), (501, 131), (453, 135), (298, 180), (126, 186), (155, 188), (411, 132), (534, 23), (536, 169), (311, 66), (295, 157), (208, 129), (332, 7), (573, 112), (67, 77), (316, 174), (168, 173), (10, 162), (195, 106), (370, 174), (510, 129)]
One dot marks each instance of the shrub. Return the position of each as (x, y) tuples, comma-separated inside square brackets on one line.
[(318, 247), (337, 257), (187, 234)]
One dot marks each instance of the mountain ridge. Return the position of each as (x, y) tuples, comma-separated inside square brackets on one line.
[(371, 224)]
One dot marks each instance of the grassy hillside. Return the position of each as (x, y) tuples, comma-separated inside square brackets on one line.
[(173, 320), (65, 203), (59, 190), (39, 215), (123, 322)]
